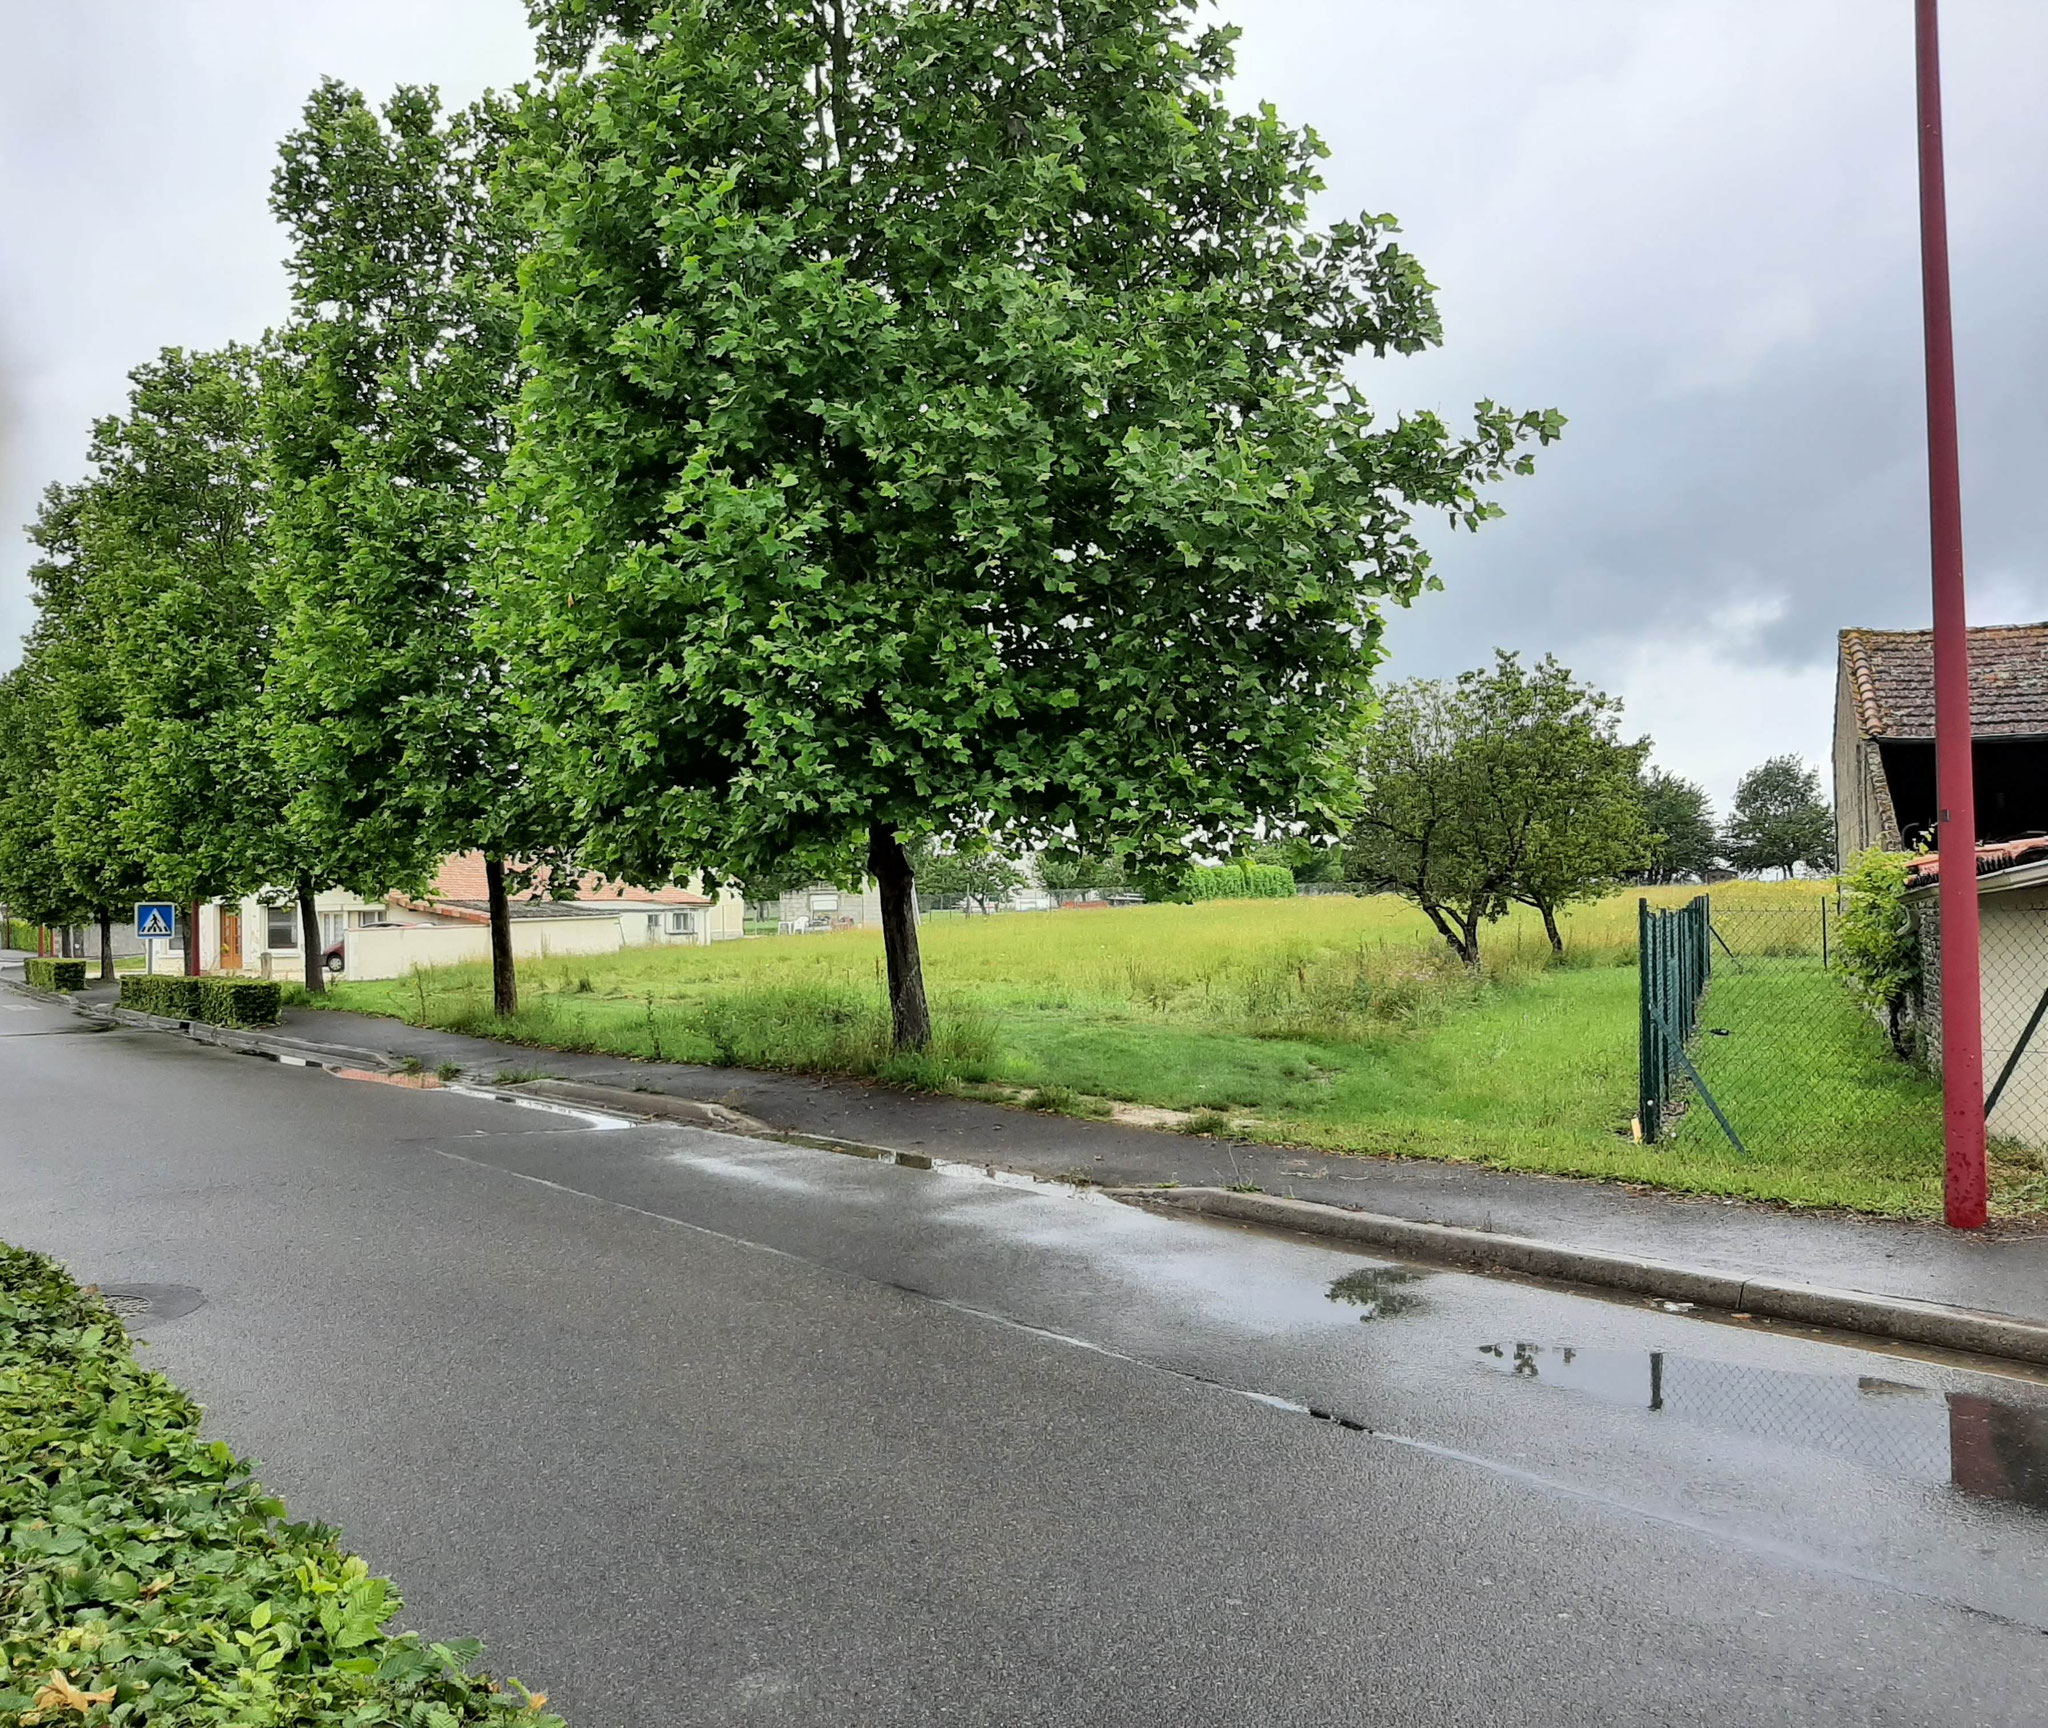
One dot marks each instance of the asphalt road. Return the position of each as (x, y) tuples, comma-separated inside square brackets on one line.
[(694, 1429)]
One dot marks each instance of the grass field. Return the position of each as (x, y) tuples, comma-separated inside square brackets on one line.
[(1327, 1021)]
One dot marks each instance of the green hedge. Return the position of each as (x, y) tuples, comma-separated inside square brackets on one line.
[(239, 1001), (169, 994), (48, 974), (146, 1577), (217, 1001), (1238, 882)]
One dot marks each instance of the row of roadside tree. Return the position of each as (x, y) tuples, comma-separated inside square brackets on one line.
[(775, 439)]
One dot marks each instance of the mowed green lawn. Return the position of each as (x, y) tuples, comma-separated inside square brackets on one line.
[(1330, 1021)]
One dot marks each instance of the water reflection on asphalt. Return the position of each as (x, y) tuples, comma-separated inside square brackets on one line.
[(1987, 1447)]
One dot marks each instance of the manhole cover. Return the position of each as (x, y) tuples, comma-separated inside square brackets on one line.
[(136, 1303)]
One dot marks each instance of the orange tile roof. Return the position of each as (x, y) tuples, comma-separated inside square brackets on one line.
[(461, 878), (2005, 855)]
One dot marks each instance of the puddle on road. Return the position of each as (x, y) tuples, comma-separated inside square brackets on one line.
[(1379, 1291), (1987, 1447)]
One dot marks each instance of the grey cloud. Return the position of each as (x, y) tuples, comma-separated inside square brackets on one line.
[(1690, 225)]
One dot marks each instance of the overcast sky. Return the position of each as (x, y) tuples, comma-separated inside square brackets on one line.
[(1690, 227)]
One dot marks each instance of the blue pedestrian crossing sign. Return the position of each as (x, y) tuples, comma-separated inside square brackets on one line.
[(158, 919)]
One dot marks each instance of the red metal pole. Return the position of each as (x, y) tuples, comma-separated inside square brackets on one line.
[(1964, 1186)]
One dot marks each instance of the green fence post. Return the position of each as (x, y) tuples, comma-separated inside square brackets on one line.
[(1646, 1096)]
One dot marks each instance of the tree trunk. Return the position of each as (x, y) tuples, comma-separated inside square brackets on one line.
[(1550, 928), (309, 937), (504, 981), (106, 947), (192, 940), (909, 1015)]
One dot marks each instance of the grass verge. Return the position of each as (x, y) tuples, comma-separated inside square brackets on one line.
[(1333, 1022), (145, 1577)]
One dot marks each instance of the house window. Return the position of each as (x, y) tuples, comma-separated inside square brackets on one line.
[(654, 923), (284, 927), (682, 924)]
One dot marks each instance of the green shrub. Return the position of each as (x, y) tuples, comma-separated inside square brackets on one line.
[(47, 974), (239, 1001), (1237, 882), (168, 994), (144, 1566), (1878, 940)]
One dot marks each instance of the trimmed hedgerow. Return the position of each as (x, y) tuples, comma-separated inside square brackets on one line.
[(239, 1001), (145, 1576), (46, 973), (168, 994), (217, 1001)]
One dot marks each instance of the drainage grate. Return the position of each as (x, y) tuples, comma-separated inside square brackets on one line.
[(126, 1304), (136, 1303)]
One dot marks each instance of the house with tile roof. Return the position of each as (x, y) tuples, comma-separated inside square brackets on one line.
[(1884, 736)]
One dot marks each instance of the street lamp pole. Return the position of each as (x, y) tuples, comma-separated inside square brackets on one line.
[(1964, 1187)]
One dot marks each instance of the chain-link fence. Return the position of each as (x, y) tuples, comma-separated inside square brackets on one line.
[(1776, 1055), (2014, 967)]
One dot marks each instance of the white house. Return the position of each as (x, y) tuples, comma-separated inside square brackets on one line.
[(449, 925)]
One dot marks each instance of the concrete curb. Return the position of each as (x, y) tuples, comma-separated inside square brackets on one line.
[(1893, 1317), (669, 1108), (1896, 1318), (237, 1038)]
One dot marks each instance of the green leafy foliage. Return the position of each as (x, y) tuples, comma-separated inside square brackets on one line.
[(63, 855), (1237, 882), (1878, 938), (1512, 784), (387, 407), (1065, 871), (940, 424), (145, 1576), (171, 538), (1781, 818), (239, 1001), (1683, 842), (217, 1001), (44, 973), (168, 994), (973, 874)]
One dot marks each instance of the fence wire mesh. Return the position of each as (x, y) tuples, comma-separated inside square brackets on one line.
[(2014, 968), (1779, 1057)]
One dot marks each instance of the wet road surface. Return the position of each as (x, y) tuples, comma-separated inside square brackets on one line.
[(694, 1429)]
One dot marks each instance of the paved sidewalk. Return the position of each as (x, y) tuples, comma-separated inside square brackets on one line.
[(1999, 1272)]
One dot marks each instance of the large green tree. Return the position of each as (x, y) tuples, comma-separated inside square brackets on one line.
[(388, 412), (173, 533), (65, 851), (1780, 819), (940, 426)]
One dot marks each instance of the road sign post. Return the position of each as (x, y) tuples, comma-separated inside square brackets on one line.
[(155, 921)]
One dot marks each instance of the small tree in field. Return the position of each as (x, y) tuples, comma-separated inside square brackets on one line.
[(1781, 819), (940, 427), (1683, 840), (1510, 785)]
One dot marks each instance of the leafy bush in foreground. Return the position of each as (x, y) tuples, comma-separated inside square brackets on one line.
[(146, 1578)]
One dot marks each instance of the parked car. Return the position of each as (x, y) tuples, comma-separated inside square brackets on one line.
[(332, 957)]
